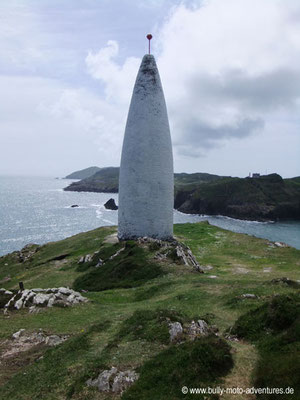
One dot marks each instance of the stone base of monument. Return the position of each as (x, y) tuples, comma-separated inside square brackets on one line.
[(172, 250), (164, 251)]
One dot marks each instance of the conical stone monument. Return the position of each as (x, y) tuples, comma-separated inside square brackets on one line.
[(146, 187)]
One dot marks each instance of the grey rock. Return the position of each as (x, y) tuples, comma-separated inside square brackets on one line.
[(199, 328), (18, 334), (111, 205), (73, 299), (88, 258), (36, 298), (85, 259), (113, 380), (65, 291), (123, 380), (231, 338), (41, 300), (100, 263), (178, 252), (19, 304), (27, 252), (281, 244), (203, 327), (249, 296), (103, 380), (55, 340), (175, 330), (206, 267), (51, 301), (117, 253)]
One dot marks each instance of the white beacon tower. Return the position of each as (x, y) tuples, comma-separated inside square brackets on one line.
[(146, 183)]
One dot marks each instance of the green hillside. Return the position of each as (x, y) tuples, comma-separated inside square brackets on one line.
[(107, 180), (268, 197), (252, 314), (83, 173)]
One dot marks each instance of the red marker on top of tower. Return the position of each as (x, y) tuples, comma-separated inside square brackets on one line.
[(149, 37)]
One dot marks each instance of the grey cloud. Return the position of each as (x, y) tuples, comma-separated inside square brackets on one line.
[(274, 89), (198, 135), (263, 92), (250, 98)]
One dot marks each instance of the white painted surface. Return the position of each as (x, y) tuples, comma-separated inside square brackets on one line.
[(146, 175)]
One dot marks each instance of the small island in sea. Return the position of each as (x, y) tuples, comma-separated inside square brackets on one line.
[(261, 198)]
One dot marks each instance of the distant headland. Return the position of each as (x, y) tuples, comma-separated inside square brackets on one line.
[(261, 198)]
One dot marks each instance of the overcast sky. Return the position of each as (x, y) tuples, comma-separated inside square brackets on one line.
[(230, 71)]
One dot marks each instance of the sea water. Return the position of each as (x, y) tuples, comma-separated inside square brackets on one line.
[(38, 210)]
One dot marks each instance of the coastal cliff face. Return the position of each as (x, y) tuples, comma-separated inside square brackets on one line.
[(268, 197), (265, 198), (106, 180)]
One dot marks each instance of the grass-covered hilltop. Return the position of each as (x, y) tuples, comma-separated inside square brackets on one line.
[(132, 320), (267, 197), (83, 173)]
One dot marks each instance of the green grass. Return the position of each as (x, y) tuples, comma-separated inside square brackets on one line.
[(139, 295), (274, 328), (130, 268), (150, 325), (47, 375), (200, 363)]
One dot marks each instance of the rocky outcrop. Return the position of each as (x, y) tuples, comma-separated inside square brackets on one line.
[(33, 299), (248, 296), (171, 249), (175, 331), (27, 252), (111, 205), (24, 340), (268, 197), (113, 380), (85, 259), (189, 331), (198, 328)]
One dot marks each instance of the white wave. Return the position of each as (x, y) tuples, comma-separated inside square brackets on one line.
[(242, 220), (109, 222), (11, 240), (75, 207)]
